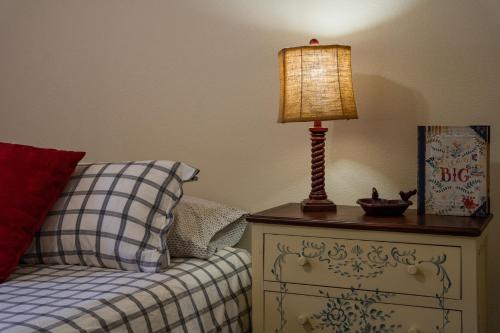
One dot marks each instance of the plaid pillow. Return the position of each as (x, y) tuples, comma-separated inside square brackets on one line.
[(113, 215)]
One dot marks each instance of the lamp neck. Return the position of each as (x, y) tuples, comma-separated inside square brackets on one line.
[(317, 123)]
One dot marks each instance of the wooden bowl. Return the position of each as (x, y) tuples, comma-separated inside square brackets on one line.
[(383, 207)]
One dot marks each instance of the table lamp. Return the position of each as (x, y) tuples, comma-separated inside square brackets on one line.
[(316, 85)]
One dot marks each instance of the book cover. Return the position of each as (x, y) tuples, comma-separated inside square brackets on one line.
[(453, 170)]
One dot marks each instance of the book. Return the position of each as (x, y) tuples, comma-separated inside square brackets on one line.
[(453, 170)]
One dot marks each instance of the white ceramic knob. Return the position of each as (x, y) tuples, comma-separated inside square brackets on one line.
[(413, 329), (302, 261), (412, 269), (302, 319)]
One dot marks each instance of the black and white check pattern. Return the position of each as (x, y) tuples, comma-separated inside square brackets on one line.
[(193, 295), (113, 215)]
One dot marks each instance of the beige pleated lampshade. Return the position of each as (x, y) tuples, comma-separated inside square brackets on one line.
[(316, 83)]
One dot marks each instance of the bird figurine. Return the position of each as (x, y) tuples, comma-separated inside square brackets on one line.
[(405, 196)]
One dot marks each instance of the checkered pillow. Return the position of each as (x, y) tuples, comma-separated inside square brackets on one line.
[(113, 215)]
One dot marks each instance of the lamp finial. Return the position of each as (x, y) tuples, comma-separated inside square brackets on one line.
[(314, 41)]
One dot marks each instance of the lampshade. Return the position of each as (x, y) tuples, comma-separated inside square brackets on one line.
[(316, 83)]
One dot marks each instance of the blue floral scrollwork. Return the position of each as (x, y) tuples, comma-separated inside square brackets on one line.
[(355, 312), (353, 308)]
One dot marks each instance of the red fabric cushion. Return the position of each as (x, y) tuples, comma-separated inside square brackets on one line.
[(31, 180)]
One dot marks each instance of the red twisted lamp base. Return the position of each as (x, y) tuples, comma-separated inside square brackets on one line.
[(318, 199)]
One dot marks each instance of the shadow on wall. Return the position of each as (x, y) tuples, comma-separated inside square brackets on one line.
[(363, 153), (493, 265)]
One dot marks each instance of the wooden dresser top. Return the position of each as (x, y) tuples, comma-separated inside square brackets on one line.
[(353, 217)]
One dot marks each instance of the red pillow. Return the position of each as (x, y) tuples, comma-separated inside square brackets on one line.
[(31, 180)]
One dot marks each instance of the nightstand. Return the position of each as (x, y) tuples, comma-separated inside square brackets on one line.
[(347, 272)]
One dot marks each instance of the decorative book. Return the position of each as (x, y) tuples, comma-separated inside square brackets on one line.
[(453, 170)]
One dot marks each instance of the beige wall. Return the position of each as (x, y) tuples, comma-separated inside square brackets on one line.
[(197, 81)]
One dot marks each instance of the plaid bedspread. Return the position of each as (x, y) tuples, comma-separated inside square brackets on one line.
[(193, 295)]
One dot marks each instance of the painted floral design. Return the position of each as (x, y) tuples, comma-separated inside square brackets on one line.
[(357, 262), (356, 311)]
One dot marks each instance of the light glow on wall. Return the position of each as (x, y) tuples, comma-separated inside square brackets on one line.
[(316, 17)]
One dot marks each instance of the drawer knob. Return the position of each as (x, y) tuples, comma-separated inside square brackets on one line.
[(412, 270), (302, 261), (413, 329), (302, 319)]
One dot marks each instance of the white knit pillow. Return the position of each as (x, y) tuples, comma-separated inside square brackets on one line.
[(201, 227)]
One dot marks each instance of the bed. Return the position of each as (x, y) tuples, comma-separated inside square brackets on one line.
[(118, 248), (192, 295)]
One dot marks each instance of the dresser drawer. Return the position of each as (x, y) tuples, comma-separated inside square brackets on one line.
[(356, 311), (405, 268)]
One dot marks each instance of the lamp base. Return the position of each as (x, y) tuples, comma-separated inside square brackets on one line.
[(318, 200), (311, 205)]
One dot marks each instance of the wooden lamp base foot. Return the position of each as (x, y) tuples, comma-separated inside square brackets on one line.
[(311, 205)]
